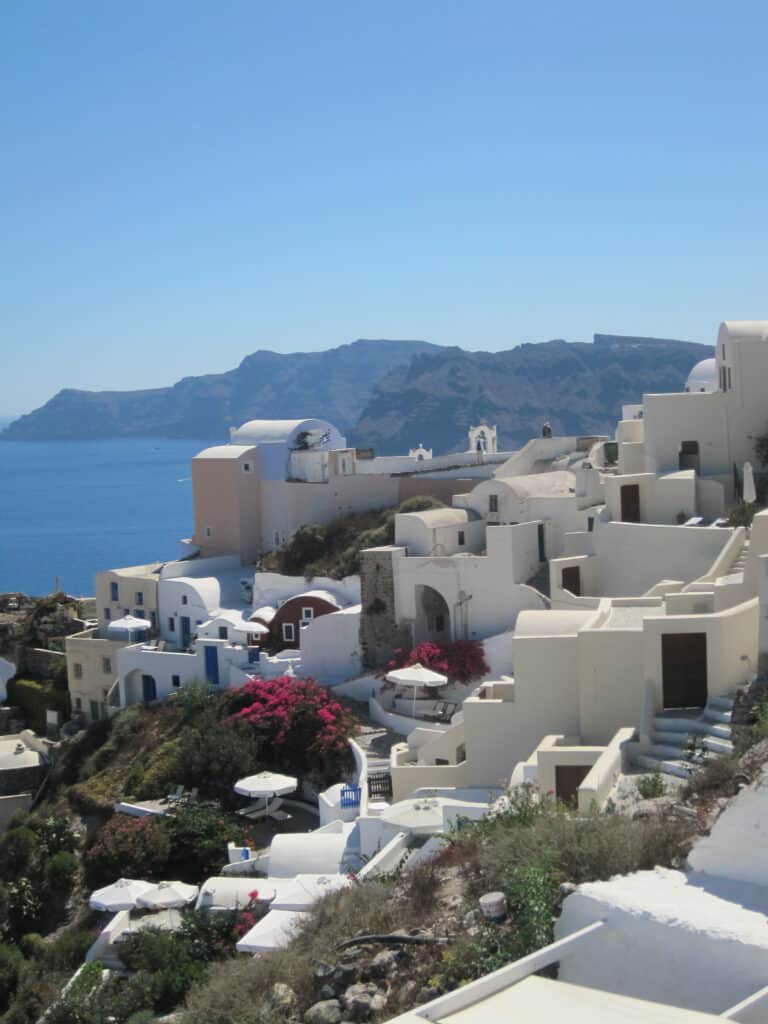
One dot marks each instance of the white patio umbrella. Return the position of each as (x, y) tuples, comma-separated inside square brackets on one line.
[(265, 785), (168, 894), (419, 816), (121, 895), (749, 494), (415, 676)]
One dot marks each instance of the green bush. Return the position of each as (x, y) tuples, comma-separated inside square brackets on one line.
[(198, 836), (420, 503), (651, 786), (10, 964), (165, 958), (54, 833), (59, 872), (67, 951), (213, 755), (16, 850), (162, 771)]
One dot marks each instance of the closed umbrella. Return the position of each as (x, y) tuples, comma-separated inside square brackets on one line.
[(415, 676), (749, 494), (121, 895), (168, 894)]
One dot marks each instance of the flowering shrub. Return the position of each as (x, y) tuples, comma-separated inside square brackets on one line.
[(300, 726), (462, 661), (127, 848)]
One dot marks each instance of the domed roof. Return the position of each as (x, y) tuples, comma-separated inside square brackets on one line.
[(703, 377), (256, 432)]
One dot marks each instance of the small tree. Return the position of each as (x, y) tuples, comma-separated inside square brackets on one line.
[(127, 848), (462, 661)]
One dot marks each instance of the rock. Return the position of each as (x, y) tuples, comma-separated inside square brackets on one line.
[(344, 975), (327, 992), (323, 972), (406, 995), (362, 1000), (655, 807), (384, 964), (327, 1011), (427, 993), (283, 998), (351, 953)]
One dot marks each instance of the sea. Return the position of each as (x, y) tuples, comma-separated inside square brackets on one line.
[(69, 509)]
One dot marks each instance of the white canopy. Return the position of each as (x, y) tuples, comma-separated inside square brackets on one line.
[(266, 785), (273, 931), (421, 816), (168, 894), (302, 891), (416, 675), (129, 622), (121, 895)]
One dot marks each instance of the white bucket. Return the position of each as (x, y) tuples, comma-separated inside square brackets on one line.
[(493, 906)]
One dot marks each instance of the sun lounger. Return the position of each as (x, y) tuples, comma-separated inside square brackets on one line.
[(260, 809)]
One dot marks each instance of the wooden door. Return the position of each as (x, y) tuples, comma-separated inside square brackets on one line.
[(684, 670), (630, 503), (571, 579), (568, 778)]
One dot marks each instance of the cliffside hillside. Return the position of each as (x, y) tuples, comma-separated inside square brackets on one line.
[(334, 385), (578, 387), (388, 394)]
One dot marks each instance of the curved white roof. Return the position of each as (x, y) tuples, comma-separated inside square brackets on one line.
[(703, 377), (434, 517), (755, 329), (321, 595), (560, 481), (256, 432)]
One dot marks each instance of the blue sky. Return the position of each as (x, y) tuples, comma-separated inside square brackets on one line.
[(186, 182)]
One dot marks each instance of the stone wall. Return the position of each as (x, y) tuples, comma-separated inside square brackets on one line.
[(40, 663), (379, 631)]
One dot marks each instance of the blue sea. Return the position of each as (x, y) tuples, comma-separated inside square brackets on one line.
[(72, 508)]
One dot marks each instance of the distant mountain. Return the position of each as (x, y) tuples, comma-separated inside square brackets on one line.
[(388, 394), (579, 388), (334, 385)]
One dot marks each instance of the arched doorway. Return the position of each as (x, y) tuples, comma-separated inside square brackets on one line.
[(433, 620)]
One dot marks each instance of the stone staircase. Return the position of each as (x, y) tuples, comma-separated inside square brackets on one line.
[(683, 741), (740, 562)]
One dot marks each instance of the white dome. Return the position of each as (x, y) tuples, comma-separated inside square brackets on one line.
[(703, 377)]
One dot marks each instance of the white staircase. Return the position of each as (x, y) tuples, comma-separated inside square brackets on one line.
[(682, 742), (741, 560)]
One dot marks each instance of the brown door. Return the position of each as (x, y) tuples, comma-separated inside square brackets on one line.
[(571, 579), (684, 669), (568, 778), (630, 503)]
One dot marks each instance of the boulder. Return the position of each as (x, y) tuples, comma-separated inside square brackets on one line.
[(361, 1001), (327, 1011)]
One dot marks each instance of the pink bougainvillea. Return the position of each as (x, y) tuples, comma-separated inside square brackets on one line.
[(304, 727), (462, 661)]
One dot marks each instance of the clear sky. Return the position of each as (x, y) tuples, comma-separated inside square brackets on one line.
[(186, 182)]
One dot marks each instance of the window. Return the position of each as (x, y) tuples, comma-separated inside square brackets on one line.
[(184, 599), (176, 681), (114, 592), (246, 467), (78, 704), (106, 665), (77, 668), (590, 523), (171, 624), (138, 613), (139, 597), (94, 704), (223, 633), (728, 369), (289, 632), (207, 531), (153, 619), (493, 503), (461, 538), (307, 613), (107, 614)]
